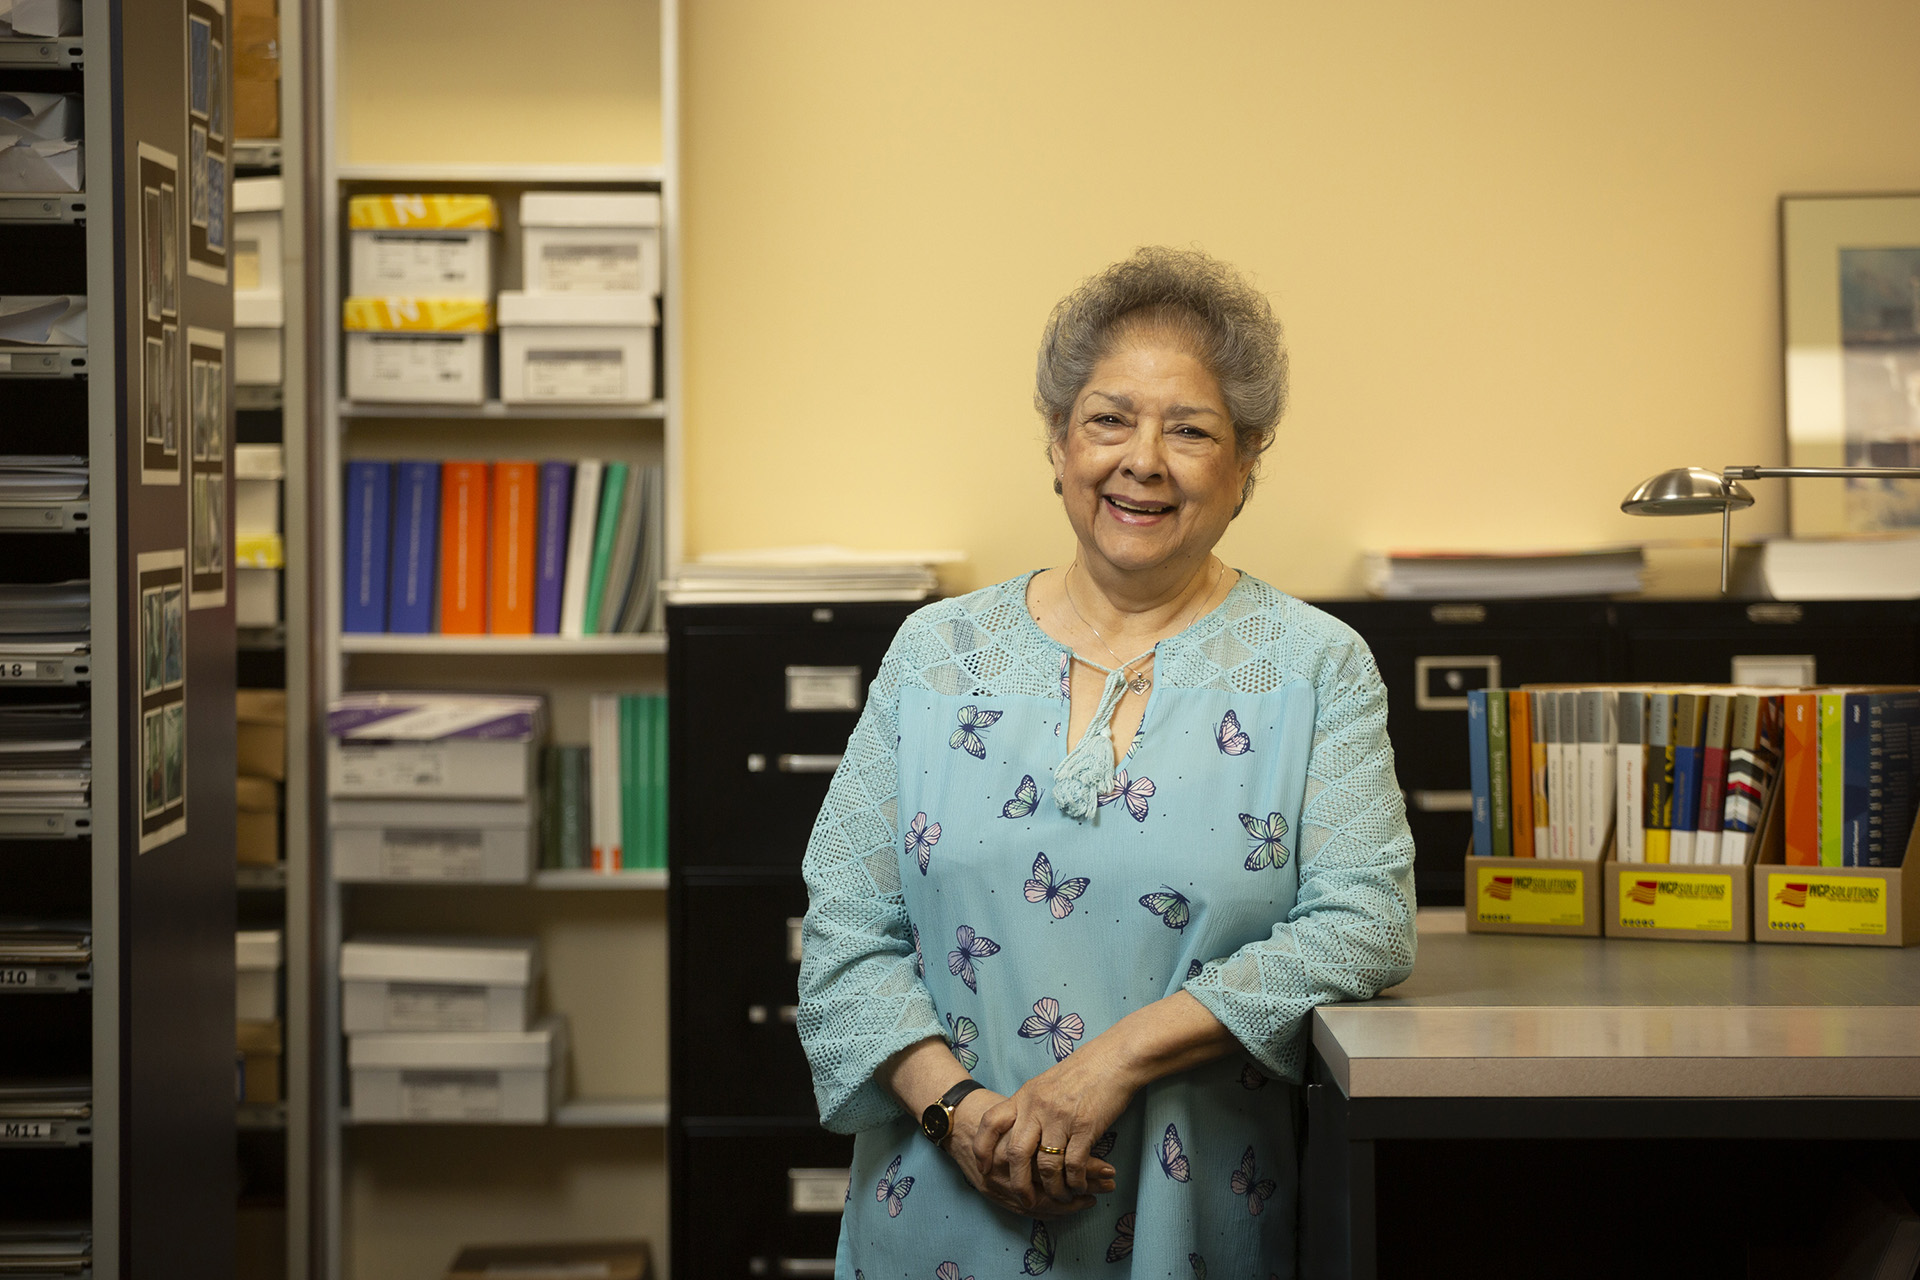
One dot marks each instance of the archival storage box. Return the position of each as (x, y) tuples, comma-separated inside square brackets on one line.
[(576, 348), (256, 235), (429, 246), (590, 242), (258, 319), (258, 471), (437, 984), (258, 955), (459, 1077), (434, 746), (258, 1048), (256, 830), (413, 350), (457, 841)]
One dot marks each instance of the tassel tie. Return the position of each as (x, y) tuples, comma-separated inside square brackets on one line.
[(1087, 773)]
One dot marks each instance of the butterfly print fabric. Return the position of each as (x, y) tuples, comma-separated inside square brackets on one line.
[(1056, 928)]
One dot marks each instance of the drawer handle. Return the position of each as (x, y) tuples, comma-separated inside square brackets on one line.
[(1443, 801), (792, 1267), (759, 1014)]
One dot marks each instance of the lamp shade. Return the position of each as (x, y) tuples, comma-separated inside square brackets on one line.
[(1686, 491)]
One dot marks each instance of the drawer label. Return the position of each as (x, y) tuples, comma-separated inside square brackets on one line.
[(431, 1006), (818, 1190), (26, 1130), (17, 670), (823, 688), (450, 1095), (1676, 901), (411, 854), (16, 977), (1798, 902), (1530, 897)]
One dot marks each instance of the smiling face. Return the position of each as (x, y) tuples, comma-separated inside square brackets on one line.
[(1148, 467)]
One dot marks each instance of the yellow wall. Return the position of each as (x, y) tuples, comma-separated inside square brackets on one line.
[(1526, 253)]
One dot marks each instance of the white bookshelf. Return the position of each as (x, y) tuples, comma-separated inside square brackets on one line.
[(395, 1201)]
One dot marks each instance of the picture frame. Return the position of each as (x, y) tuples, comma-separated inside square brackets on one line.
[(1850, 321)]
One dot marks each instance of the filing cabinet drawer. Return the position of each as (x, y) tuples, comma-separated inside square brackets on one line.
[(1849, 642), (762, 717), (762, 1202), (738, 980)]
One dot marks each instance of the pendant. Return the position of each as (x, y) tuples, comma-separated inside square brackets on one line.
[(1139, 682)]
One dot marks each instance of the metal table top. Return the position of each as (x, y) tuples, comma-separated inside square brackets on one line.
[(1492, 1015)]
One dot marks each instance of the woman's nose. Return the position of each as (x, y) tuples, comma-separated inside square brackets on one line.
[(1145, 459)]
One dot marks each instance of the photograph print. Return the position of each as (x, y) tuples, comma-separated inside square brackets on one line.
[(1880, 371), (153, 764)]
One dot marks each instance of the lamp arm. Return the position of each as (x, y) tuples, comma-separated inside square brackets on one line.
[(1835, 473)]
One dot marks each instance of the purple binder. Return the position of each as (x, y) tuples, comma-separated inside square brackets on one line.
[(550, 556)]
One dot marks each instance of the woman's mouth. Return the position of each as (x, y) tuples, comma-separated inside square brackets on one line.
[(1135, 508)]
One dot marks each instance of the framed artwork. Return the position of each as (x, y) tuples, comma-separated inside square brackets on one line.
[(1850, 305)]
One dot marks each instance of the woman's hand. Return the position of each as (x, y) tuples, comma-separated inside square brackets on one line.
[(978, 1134), (1069, 1106)]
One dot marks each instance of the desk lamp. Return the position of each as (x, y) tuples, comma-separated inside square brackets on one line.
[(1695, 491)]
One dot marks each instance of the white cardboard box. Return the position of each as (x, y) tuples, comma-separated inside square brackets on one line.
[(434, 746), (256, 597), (418, 350), (257, 244), (258, 955), (472, 841), (437, 984), (427, 262), (258, 470), (576, 348), (476, 1077), (590, 242)]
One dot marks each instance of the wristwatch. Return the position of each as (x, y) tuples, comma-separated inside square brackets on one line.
[(937, 1120)]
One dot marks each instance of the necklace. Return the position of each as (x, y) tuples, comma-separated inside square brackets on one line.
[(1137, 681)]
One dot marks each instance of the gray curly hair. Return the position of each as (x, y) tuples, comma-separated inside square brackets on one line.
[(1208, 303)]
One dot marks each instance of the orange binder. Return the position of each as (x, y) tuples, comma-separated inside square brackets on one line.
[(1520, 757), (1800, 776), (463, 549), (515, 485)]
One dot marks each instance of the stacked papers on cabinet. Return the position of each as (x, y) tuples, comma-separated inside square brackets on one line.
[(809, 573)]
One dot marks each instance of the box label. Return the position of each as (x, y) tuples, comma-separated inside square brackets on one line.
[(371, 770), (417, 361), (413, 854), (577, 375), (607, 267), (1530, 897), (432, 1006), (450, 1095), (1673, 901), (416, 262), (25, 1131), (1801, 903)]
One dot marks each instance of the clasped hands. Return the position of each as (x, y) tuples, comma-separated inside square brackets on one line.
[(997, 1139)]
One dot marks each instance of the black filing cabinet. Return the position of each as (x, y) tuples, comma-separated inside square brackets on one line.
[(1432, 653), (763, 699)]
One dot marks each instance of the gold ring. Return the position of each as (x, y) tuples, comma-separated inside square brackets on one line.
[(1054, 1151)]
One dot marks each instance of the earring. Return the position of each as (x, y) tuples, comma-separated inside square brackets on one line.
[(1056, 486)]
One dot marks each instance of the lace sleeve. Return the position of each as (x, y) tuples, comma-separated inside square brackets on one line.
[(861, 998), (1350, 934)]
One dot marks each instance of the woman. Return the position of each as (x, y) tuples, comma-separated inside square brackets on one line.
[(1132, 938)]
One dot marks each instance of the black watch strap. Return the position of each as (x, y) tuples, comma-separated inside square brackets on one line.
[(951, 1098)]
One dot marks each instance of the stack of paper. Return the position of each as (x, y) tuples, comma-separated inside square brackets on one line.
[(1863, 567), (45, 754), (40, 142), (41, 610), (1504, 575), (28, 477), (39, 17), (45, 944), (53, 320), (46, 1249), (809, 573)]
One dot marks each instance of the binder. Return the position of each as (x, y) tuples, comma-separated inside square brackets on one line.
[(364, 575), (416, 548), (463, 550)]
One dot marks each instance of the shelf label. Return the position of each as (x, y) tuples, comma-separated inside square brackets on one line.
[(450, 1095), (411, 854), (1799, 902), (1530, 897), (430, 1006), (25, 1130), (1676, 901), (17, 670), (576, 375), (11, 978)]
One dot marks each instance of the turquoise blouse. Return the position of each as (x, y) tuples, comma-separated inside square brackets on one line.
[(1252, 847)]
